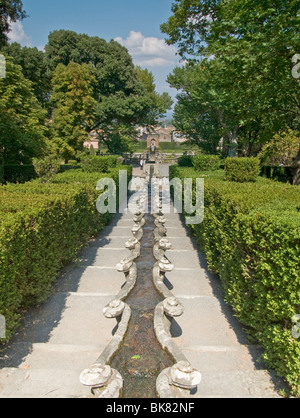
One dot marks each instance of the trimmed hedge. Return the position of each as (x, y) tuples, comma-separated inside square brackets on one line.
[(251, 238), (93, 163), (169, 146), (42, 228), (242, 170), (17, 173), (206, 162), (186, 161), (282, 174)]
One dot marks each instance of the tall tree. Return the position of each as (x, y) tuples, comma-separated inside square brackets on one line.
[(253, 43), (160, 102), (74, 107), (121, 96), (22, 119), (10, 11), (34, 68)]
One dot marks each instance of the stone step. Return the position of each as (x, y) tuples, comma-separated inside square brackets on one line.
[(42, 383), (237, 384), (69, 332), (93, 279), (220, 358), (104, 257)]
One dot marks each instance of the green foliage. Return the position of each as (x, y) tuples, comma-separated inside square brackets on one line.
[(281, 150), (10, 11), (121, 97), (203, 106), (160, 102), (169, 146), (125, 95), (74, 109), (92, 163), (118, 138), (47, 167), (242, 169), (206, 162), (42, 228), (95, 86), (284, 356), (34, 68), (240, 43), (186, 161), (92, 150), (22, 119), (17, 173), (251, 239), (283, 174)]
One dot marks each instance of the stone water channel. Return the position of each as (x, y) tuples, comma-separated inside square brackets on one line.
[(141, 358), (142, 361)]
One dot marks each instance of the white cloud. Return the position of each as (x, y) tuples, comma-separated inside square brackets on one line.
[(17, 34), (149, 51), (154, 62)]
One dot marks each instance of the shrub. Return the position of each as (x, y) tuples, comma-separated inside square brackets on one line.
[(92, 163), (282, 174), (242, 170), (47, 167), (206, 162), (17, 173), (281, 150), (168, 146), (186, 161), (251, 239), (42, 228)]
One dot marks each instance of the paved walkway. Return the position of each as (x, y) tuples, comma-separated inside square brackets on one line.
[(68, 333)]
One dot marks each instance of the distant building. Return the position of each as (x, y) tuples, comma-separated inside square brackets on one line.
[(178, 137), (153, 136), (92, 141), (165, 134), (159, 134)]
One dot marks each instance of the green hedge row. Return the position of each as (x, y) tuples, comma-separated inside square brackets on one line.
[(173, 146), (282, 174), (200, 162), (93, 163), (206, 162), (251, 238), (17, 173), (185, 161), (42, 228), (242, 170)]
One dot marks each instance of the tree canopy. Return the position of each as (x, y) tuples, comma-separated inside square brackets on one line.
[(123, 98), (10, 11), (239, 77), (34, 68), (22, 119), (74, 107), (85, 84)]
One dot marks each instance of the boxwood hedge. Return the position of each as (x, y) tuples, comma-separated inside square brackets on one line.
[(251, 238), (42, 228), (206, 162), (93, 163), (242, 170)]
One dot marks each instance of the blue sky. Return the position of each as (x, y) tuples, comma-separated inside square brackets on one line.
[(133, 23)]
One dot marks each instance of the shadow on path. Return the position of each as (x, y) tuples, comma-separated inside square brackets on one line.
[(39, 322), (255, 349)]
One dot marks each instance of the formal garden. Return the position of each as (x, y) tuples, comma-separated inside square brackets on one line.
[(43, 227), (250, 236), (237, 103)]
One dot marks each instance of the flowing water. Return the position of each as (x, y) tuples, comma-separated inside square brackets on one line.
[(141, 358)]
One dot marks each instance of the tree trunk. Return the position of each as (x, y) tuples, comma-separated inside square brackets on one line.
[(233, 139), (296, 170)]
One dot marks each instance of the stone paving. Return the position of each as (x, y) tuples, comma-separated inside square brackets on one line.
[(68, 333)]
